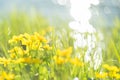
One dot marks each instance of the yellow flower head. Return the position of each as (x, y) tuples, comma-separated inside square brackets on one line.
[(59, 60), (65, 53), (114, 69), (27, 60), (8, 76), (20, 60), (47, 47), (117, 76), (15, 39), (39, 37), (76, 62), (12, 55), (111, 68), (101, 75), (5, 61), (106, 66)]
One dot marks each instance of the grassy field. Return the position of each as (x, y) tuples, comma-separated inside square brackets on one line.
[(32, 49)]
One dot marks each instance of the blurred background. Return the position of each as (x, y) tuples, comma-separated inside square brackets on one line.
[(102, 14), (48, 8), (94, 36)]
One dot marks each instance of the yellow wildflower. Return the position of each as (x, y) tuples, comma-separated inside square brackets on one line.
[(16, 38), (12, 55), (106, 66), (114, 75), (101, 75), (1, 78), (40, 38), (117, 76), (11, 51), (5, 61), (47, 47), (59, 60), (30, 60), (65, 53), (111, 68), (19, 50), (27, 60), (36, 61), (6, 76), (20, 60), (26, 35), (76, 62), (114, 68), (27, 42), (35, 45)]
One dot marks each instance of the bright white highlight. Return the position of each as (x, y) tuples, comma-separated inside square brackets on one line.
[(82, 27), (81, 13)]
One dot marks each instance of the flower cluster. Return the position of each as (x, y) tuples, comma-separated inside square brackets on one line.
[(112, 72), (26, 48), (6, 76), (64, 56), (30, 42)]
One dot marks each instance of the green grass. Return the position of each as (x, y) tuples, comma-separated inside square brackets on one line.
[(53, 65)]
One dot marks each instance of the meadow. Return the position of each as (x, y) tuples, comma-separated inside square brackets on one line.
[(32, 49)]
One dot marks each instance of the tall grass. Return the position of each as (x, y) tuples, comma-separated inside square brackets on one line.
[(112, 41), (19, 23), (32, 50)]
